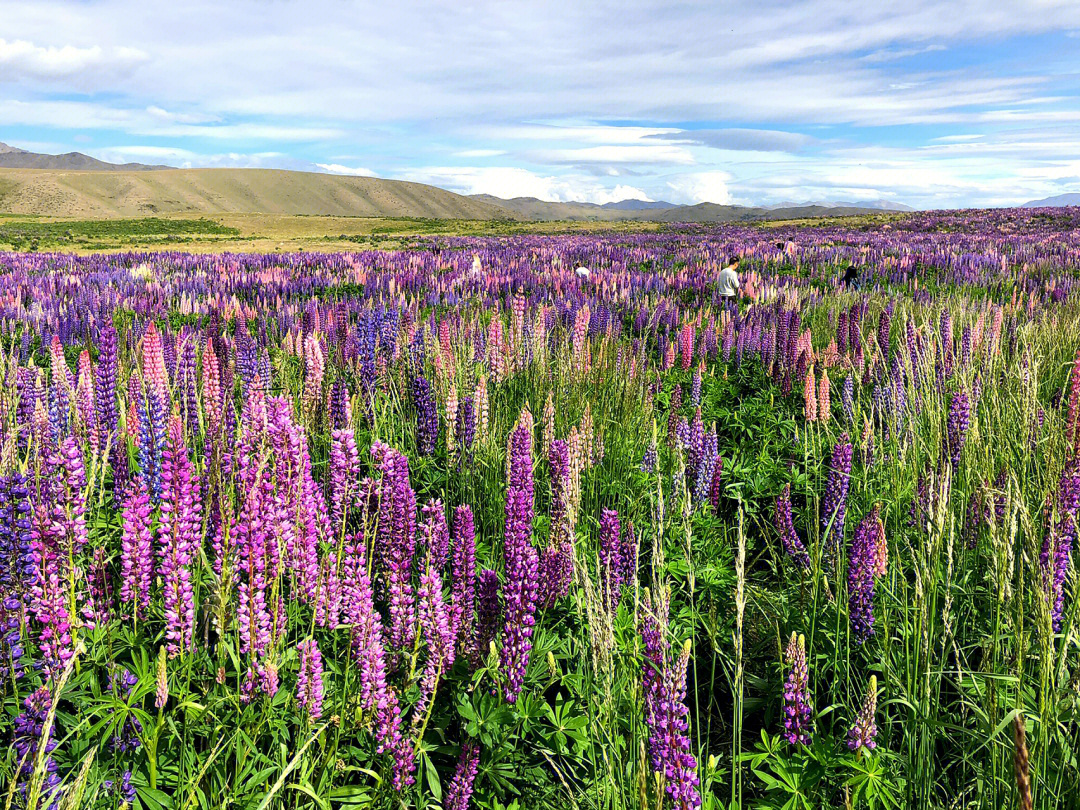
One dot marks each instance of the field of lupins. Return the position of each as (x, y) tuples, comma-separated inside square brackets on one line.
[(387, 530)]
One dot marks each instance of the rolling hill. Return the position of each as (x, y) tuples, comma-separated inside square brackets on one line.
[(77, 185), (144, 192)]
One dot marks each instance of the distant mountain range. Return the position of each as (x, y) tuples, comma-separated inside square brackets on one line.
[(12, 158), (1054, 202), (530, 208), (77, 185)]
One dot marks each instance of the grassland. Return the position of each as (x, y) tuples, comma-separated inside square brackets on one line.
[(264, 233)]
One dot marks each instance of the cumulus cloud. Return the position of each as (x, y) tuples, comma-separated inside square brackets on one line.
[(21, 59), (508, 182), (699, 187)]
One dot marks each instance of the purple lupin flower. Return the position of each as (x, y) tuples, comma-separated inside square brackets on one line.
[(435, 533), (611, 562), (397, 542), (460, 790), (797, 707), (377, 697), (862, 563), (864, 729), (521, 565), (664, 688), (488, 616), (136, 558), (309, 681), (957, 428), (837, 484), (344, 474), (463, 577), (785, 526)]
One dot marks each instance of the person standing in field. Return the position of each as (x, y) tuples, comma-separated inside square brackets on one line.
[(728, 283)]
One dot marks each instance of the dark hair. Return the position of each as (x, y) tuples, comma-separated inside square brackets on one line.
[(733, 260), (852, 271)]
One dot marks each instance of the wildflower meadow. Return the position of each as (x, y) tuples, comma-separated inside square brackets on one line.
[(461, 526)]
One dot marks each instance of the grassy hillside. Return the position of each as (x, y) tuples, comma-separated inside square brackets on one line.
[(219, 191)]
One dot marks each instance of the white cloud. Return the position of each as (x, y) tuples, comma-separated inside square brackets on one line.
[(23, 59), (697, 187), (508, 182), (353, 171)]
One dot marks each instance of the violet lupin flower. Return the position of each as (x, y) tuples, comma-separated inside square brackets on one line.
[(521, 565), (18, 571), (864, 729), (785, 526), (29, 727), (664, 687), (427, 416), (862, 565), (1057, 547), (309, 681), (136, 556), (119, 681), (797, 708), (838, 482), (108, 412), (958, 424), (460, 790)]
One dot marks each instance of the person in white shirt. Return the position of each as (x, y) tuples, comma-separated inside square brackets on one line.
[(728, 283)]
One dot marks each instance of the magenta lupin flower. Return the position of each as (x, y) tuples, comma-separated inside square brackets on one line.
[(309, 681), (798, 712), (136, 556), (521, 566), (179, 528)]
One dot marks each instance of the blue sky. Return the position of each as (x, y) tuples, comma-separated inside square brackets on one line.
[(935, 104)]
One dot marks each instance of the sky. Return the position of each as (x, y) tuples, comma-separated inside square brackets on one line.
[(935, 104)]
